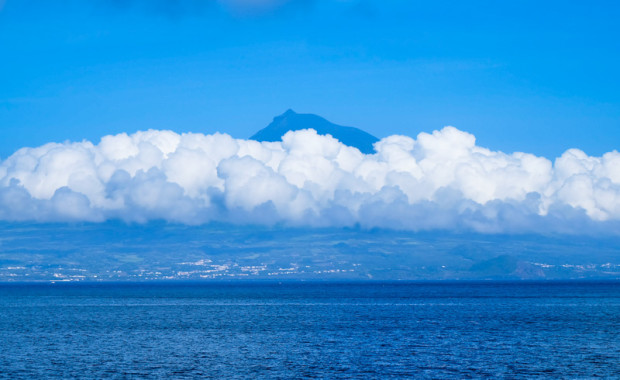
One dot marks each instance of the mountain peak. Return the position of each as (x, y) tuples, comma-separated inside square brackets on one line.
[(292, 121)]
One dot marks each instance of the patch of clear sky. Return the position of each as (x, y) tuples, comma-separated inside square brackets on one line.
[(521, 76)]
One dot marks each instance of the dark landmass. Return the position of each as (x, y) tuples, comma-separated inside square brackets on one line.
[(115, 251), (292, 121)]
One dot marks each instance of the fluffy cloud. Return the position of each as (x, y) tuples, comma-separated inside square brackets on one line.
[(441, 180)]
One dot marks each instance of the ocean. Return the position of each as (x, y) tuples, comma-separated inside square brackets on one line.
[(310, 330)]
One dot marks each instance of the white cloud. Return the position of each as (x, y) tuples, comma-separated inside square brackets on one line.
[(437, 180)]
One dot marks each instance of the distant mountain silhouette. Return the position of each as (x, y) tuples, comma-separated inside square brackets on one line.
[(292, 121), (506, 266)]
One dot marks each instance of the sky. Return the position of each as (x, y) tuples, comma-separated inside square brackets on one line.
[(494, 117), (520, 76)]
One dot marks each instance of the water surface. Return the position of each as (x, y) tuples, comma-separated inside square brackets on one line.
[(317, 330)]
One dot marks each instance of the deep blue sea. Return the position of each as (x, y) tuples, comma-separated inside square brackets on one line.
[(311, 330)]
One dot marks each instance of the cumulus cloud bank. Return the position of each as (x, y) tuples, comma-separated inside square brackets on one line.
[(439, 180)]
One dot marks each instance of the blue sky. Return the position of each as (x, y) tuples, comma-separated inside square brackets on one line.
[(520, 76)]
